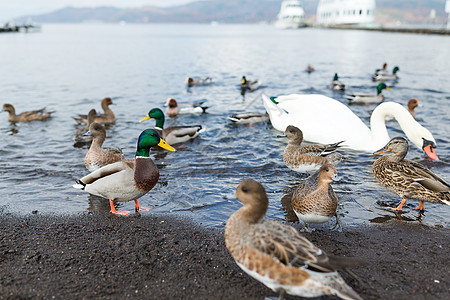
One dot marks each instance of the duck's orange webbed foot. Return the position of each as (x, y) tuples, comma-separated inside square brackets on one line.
[(140, 208), (421, 206), (399, 208), (117, 212)]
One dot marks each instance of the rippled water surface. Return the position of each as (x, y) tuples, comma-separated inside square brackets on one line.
[(70, 68)]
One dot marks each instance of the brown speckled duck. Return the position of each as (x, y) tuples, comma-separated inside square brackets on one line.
[(314, 200), (172, 134), (97, 157), (127, 179), (277, 255), (107, 117), (308, 157), (79, 137), (26, 116), (406, 178)]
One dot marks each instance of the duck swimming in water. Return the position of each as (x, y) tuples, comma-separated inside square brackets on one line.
[(26, 116)]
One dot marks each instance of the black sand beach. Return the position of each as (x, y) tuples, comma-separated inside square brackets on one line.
[(159, 256)]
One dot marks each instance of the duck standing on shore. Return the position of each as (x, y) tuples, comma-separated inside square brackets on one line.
[(172, 134), (107, 117), (128, 179), (277, 255), (304, 158), (97, 157), (407, 178), (314, 200), (26, 116)]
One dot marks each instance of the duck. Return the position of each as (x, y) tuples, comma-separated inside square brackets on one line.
[(250, 85), (26, 116), (309, 69), (406, 178), (79, 137), (173, 134), (97, 157), (195, 108), (305, 158), (383, 70), (107, 117), (412, 104), (248, 118), (336, 84), (361, 98), (324, 120), (277, 255), (198, 81), (314, 200), (385, 77), (128, 179)]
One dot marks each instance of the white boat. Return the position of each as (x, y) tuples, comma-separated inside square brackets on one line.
[(291, 15), (345, 12)]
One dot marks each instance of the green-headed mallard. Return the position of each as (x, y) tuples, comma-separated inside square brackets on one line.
[(361, 98), (386, 76), (336, 84)]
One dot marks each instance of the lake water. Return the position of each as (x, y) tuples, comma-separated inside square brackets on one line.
[(70, 68)]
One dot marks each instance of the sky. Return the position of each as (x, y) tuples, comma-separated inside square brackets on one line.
[(16, 8)]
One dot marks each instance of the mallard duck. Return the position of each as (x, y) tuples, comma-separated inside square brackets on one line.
[(128, 179), (97, 157), (407, 178), (309, 69), (360, 98), (382, 71), (107, 117), (195, 108), (26, 116), (336, 84), (304, 158), (413, 103), (79, 137), (314, 200), (198, 81), (385, 77), (173, 134), (248, 118), (250, 85), (277, 255)]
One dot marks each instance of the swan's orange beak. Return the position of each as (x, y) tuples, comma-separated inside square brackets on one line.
[(429, 150)]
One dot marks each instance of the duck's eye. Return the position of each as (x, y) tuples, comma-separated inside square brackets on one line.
[(326, 170), (244, 189)]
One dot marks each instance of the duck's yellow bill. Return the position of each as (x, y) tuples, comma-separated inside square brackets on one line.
[(163, 144), (145, 119), (388, 88)]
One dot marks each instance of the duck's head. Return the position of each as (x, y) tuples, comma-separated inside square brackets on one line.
[(150, 138), (327, 172), (294, 134), (172, 103), (106, 102), (189, 79), (243, 80), (382, 86), (413, 103), (156, 114), (398, 146), (384, 66), (395, 70), (253, 195), (96, 130), (91, 116), (8, 108), (336, 77)]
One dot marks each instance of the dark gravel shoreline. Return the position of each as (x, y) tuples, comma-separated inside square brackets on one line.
[(171, 257)]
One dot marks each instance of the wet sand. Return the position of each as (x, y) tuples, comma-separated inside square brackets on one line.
[(171, 257)]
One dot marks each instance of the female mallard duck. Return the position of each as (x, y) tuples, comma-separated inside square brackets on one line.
[(107, 117), (385, 77), (342, 123), (307, 157), (195, 108), (26, 116), (173, 134), (277, 255), (198, 81), (128, 179), (248, 118), (413, 103), (79, 137), (336, 84), (360, 98), (314, 200), (406, 178), (97, 157)]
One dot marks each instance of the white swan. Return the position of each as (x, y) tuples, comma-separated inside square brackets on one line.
[(325, 120)]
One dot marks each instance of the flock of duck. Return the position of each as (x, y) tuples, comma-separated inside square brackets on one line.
[(273, 253)]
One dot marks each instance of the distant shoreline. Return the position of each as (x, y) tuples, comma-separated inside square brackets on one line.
[(417, 30)]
